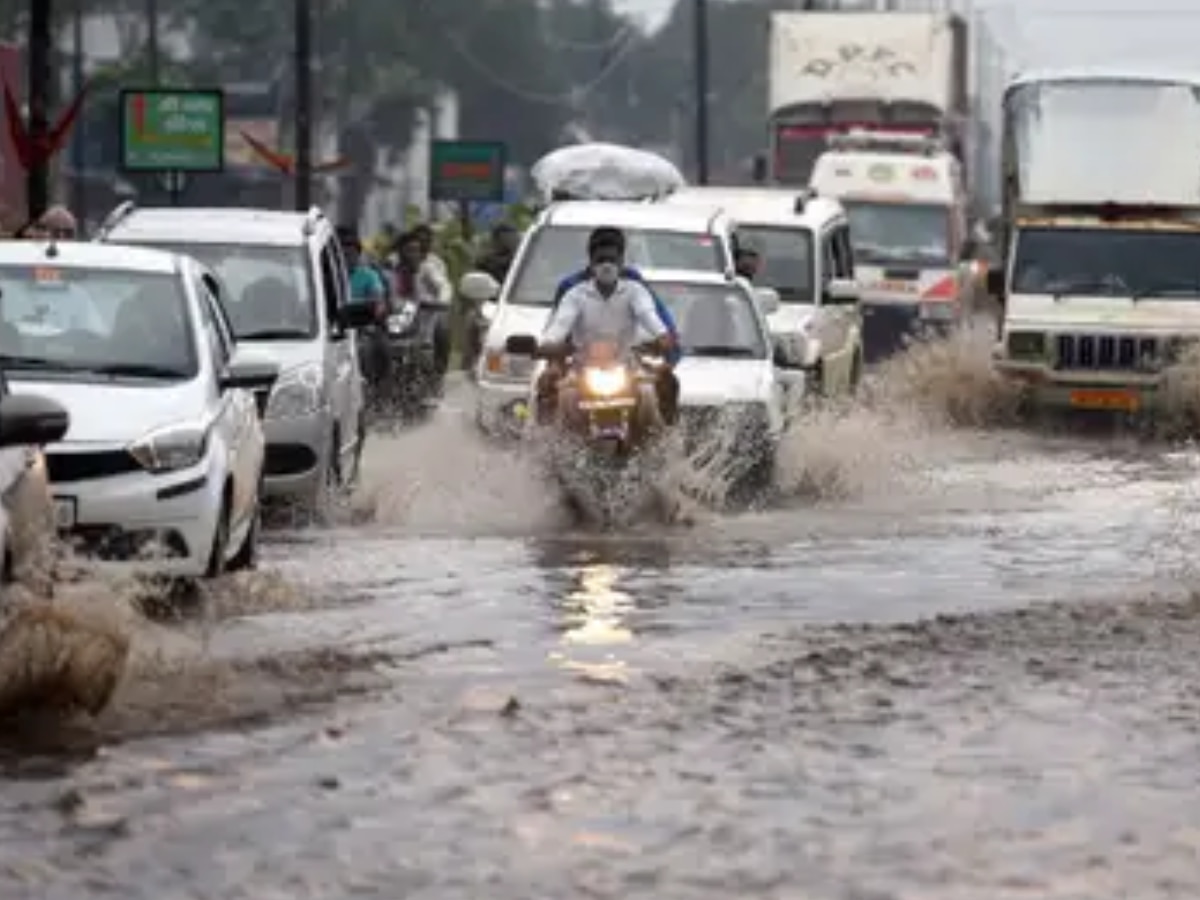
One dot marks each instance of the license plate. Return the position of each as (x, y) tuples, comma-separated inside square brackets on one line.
[(1124, 401), (64, 513)]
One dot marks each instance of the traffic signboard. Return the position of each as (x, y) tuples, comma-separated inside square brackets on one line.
[(166, 130), (467, 171)]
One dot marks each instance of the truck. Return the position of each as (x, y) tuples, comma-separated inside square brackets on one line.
[(829, 72), (1100, 235)]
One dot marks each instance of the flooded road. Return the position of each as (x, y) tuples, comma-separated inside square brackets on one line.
[(969, 671)]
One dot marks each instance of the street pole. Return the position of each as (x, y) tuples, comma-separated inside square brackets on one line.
[(700, 58), (40, 75), (303, 25), (78, 137), (152, 40)]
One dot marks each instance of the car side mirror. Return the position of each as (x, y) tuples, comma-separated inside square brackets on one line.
[(478, 287), (29, 419), (841, 292), (249, 375), (356, 315), (521, 345), (768, 300)]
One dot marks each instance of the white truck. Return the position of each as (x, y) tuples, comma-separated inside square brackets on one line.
[(1100, 283), (885, 71)]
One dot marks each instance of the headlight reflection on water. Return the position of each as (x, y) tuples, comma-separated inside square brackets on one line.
[(595, 617)]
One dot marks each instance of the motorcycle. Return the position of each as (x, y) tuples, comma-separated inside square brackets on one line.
[(605, 459), (405, 372)]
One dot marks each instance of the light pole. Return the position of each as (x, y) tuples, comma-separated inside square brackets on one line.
[(303, 25), (41, 42), (700, 59)]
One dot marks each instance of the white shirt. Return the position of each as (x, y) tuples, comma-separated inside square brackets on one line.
[(585, 316)]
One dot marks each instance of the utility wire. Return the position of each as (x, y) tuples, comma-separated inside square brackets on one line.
[(569, 98)]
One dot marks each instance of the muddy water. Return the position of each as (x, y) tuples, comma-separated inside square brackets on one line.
[(957, 663)]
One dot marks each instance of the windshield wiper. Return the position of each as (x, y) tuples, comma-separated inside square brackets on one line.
[(38, 362), (273, 334), (136, 370), (723, 351)]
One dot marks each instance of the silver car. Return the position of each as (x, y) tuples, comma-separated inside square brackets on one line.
[(286, 291)]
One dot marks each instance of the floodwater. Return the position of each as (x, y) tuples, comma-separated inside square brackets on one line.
[(960, 662)]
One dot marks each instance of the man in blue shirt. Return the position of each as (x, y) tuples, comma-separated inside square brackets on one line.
[(668, 384)]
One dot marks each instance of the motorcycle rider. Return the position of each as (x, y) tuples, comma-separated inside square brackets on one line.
[(498, 258), (668, 388), (366, 285), (604, 306)]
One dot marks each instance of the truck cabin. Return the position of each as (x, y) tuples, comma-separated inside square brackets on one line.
[(1109, 250), (905, 198), (800, 133)]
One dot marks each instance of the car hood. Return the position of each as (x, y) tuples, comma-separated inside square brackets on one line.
[(704, 381), (108, 413), (791, 318), (284, 354), (1103, 314), (513, 319)]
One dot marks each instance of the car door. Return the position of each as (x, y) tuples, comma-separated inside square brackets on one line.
[(234, 411), (347, 392)]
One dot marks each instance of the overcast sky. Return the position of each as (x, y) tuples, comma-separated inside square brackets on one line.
[(1062, 32)]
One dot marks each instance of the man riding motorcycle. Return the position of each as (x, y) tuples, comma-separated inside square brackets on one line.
[(668, 384), (609, 308)]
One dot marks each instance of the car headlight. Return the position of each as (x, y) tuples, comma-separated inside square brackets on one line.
[(171, 448), (297, 393), (1028, 345), (400, 322), (498, 364), (605, 382), (937, 312)]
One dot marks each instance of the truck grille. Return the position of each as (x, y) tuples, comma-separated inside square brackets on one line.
[(1106, 352)]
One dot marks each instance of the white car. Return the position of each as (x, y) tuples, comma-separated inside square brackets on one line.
[(27, 422), (286, 291), (555, 247), (803, 241), (731, 400), (163, 459)]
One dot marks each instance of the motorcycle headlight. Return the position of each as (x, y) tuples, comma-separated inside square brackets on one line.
[(605, 382), (297, 393), (171, 448), (400, 322)]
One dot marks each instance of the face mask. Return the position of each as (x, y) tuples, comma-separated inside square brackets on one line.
[(606, 273)]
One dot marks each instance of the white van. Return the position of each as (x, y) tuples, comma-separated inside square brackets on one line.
[(803, 242), (907, 204)]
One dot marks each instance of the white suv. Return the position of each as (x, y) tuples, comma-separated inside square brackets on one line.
[(286, 291), (658, 237)]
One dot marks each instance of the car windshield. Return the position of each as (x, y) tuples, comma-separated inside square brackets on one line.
[(556, 251), (268, 294), (100, 321), (786, 260), (714, 320), (1107, 262), (904, 233)]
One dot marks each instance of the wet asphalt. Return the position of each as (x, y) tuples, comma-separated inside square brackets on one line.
[(968, 673)]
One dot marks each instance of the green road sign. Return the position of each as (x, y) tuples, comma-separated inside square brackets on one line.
[(172, 130), (467, 171)]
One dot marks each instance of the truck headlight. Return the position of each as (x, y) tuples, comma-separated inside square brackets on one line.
[(937, 312), (172, 448), (1026, 345), (298, 393)]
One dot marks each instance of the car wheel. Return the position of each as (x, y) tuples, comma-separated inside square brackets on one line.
[(246, 559), (327, 491), (220, 545)]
